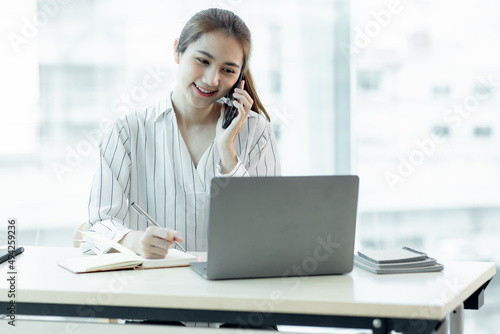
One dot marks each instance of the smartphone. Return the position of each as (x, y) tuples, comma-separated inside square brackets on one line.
[(232, 112)]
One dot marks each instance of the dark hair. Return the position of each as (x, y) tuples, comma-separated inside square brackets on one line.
[(215, 19)]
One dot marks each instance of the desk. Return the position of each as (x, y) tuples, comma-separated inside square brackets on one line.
[(409, 303), (72, 327)]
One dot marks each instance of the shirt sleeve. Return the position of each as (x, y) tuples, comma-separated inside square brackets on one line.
[(262, 160), (108, 203)]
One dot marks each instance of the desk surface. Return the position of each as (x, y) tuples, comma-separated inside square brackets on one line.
[(30, 327), (360, 293)]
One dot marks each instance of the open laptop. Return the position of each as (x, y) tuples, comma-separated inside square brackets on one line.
[(280, 226)]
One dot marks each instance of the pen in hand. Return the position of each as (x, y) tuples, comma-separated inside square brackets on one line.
[(148, 217)]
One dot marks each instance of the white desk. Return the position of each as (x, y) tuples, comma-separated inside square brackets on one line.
[(410, 303), (73, 327)]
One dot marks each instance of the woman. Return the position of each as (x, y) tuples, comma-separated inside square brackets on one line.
[(164, 157)]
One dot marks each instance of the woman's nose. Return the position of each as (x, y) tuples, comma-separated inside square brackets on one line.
[(211, 77)]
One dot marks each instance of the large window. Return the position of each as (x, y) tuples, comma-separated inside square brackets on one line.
[(404, 94), (425, 131), (70, 68)]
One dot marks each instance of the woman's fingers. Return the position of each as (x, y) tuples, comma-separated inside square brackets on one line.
[(243, 111), (243, 102), (156, 241), (177, 236), (243, 98)]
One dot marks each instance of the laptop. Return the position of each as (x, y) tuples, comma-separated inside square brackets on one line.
[(280, 226)]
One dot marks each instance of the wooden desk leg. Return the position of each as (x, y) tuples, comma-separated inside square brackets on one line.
[(457, 321)]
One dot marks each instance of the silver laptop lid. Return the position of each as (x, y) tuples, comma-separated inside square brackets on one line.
[(281, 226)]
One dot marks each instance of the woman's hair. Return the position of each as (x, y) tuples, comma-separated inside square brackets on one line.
[(215, 19)]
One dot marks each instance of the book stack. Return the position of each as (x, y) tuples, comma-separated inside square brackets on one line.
[(396, 261)]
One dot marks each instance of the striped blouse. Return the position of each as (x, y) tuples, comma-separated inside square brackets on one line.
[(144, 159)]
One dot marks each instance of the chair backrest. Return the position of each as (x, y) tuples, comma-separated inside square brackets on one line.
[(78, 236)]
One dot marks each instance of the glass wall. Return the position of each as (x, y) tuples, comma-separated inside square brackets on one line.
[(408, 103), (70, 68), (426, 131)]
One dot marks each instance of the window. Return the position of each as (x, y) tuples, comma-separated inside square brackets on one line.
[(417, 124), (483, 132), (72, 68), (424, 132)]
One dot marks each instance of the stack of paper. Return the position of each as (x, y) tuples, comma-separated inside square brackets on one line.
[(396, 261)]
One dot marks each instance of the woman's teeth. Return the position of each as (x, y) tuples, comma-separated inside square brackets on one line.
[(203, 90)]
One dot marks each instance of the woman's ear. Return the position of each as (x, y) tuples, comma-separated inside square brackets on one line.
[(176, 52)]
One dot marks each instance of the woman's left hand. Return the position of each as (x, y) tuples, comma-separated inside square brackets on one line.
[(225, 138)]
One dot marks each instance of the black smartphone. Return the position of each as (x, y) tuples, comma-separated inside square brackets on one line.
[(232, 111)]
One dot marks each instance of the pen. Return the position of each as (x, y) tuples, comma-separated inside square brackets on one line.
[(148, 217), (413, 250), (6, 256)]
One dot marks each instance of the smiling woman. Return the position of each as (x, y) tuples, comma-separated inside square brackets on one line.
[(94, 62), (206, 71), (235, 38), (165, 156)]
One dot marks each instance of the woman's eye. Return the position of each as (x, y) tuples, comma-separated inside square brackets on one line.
[(203, 61), (228, 70)]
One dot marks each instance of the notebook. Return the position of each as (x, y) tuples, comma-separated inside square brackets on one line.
[(404, 254), (399, 270), (123, 260), (280, 226), (396, 261)]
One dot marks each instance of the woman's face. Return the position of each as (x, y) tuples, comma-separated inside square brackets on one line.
[(209, 68)]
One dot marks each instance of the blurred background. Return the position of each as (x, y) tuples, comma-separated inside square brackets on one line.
[(401, 93)]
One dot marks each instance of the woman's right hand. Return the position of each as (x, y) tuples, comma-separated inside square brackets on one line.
[(153, 243)]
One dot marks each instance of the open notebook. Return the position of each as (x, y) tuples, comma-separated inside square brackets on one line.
[(124, 259)]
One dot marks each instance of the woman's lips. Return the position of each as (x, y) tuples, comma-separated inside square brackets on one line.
[(197, 89)]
